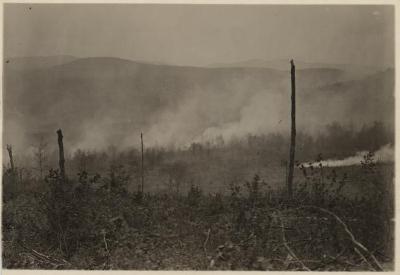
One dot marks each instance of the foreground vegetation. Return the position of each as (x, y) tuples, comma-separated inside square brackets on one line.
[(93, 222)]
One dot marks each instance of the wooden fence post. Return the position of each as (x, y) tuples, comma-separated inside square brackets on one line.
[(142, 164), (61, 160), (293, 130)]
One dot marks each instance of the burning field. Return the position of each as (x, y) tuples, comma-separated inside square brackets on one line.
[(198, 137)]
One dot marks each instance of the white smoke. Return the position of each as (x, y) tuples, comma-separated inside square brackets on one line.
[(384, 155), (265, 111), (204, 114)]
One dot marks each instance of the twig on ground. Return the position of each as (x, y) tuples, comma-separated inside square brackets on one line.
[(363, 258), (105, 243), (107, 262), (291, 253), (205, 242), (375, 264), (42, 258)]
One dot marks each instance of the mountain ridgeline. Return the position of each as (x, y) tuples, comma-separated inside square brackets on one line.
[(106, 101)]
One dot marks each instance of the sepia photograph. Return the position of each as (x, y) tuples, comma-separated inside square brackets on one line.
[(207, 137)]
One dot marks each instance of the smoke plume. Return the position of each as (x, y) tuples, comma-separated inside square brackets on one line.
[(102, 102), (384, 155)]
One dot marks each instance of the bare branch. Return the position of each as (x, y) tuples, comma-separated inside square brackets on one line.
[(205, 242), (288, 247), (375, 263)]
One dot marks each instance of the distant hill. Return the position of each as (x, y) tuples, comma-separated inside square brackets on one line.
[(100, 101), (282, 64), (367, 99), (36, 63), (352, 71)]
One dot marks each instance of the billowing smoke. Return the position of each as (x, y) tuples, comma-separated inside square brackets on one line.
[(174, 107), (265, 112), (205, 114), (384, 155)]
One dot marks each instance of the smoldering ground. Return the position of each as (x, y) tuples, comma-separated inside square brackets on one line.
[(211, 188)]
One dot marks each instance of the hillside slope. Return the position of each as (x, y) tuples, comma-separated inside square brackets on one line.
[(103, 101)]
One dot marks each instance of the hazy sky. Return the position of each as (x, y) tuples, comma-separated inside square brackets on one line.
[(203, 34)]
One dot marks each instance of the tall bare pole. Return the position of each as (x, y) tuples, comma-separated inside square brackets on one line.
[(61, 160), (142, 167), (293, 130)]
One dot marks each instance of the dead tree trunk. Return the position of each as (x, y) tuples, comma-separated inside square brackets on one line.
[(10, 155), (61, 160), (142, 165), (293, 131)]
